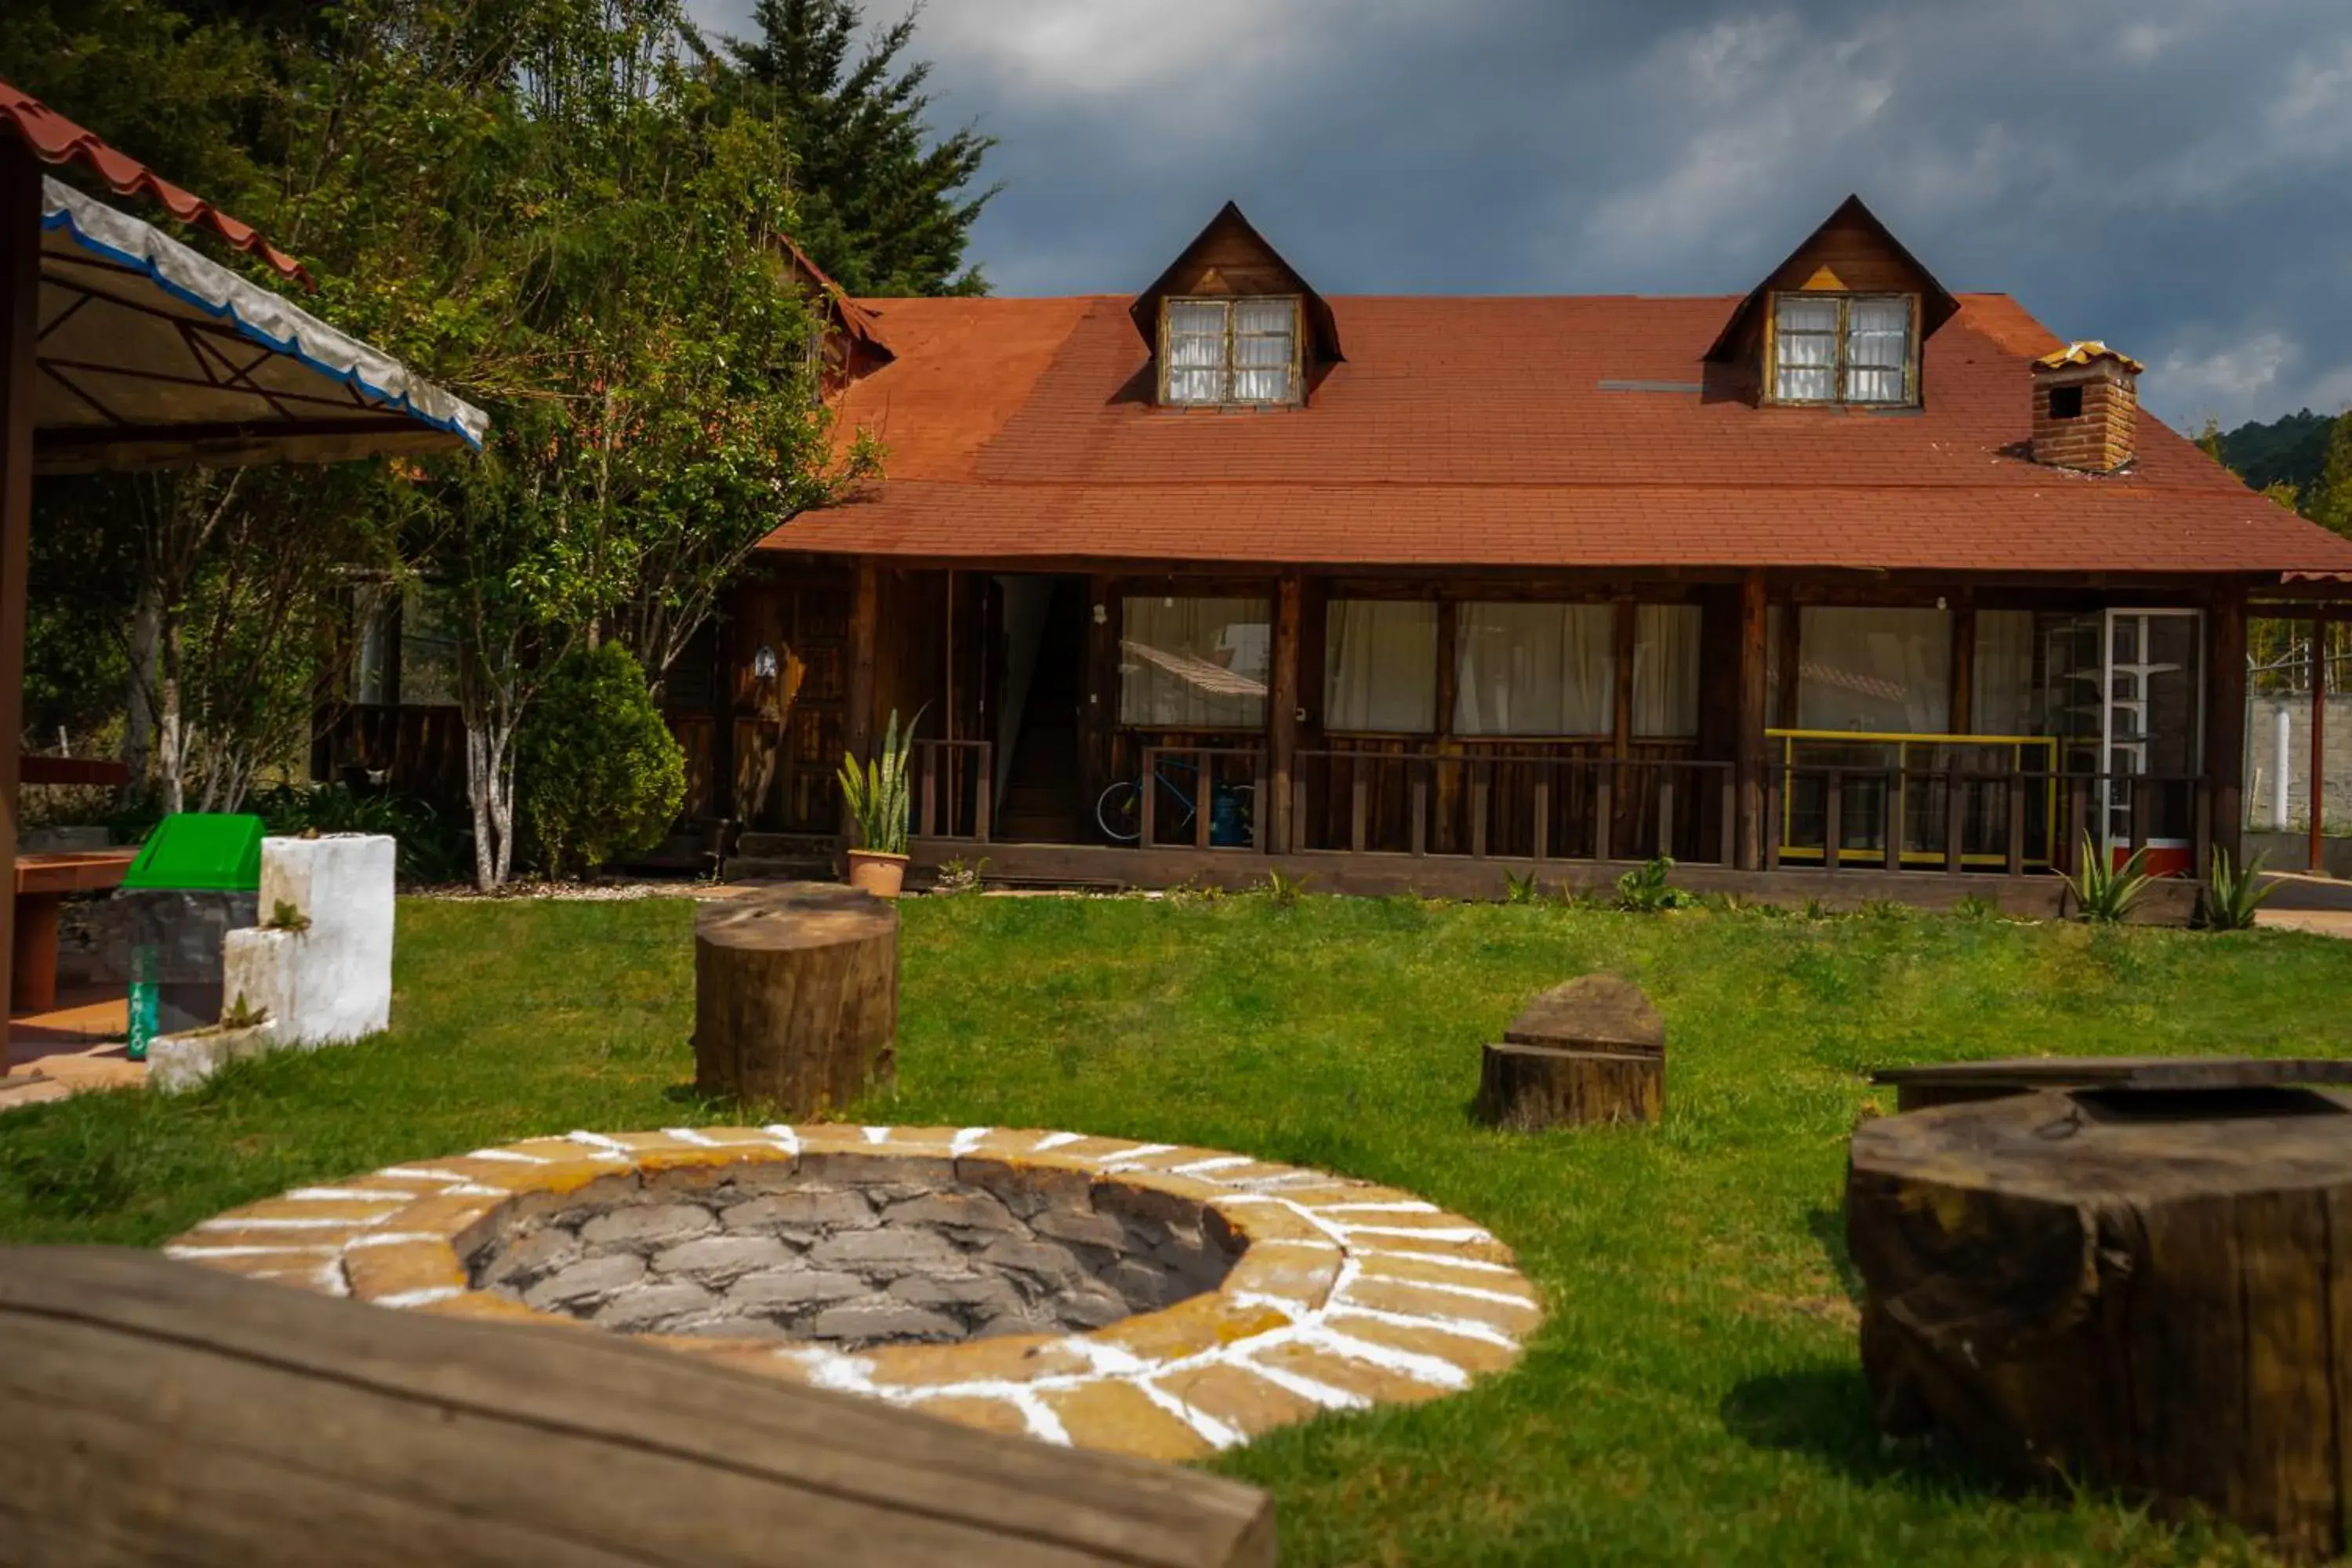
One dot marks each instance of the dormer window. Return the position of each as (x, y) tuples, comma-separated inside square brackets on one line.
[(1843, 348), (1221, 353)]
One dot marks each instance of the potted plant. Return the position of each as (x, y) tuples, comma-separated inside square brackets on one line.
[(878, 799)]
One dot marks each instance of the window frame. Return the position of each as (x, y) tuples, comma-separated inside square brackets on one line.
[(1840, 367), (1231, 368)]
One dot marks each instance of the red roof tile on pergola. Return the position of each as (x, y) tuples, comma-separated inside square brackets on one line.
[(54, 139)]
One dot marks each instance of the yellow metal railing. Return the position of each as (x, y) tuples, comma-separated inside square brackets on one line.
[(2035, 757)]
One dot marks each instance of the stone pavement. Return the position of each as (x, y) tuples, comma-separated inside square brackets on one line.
[(74, 1046), (1339, 1295)]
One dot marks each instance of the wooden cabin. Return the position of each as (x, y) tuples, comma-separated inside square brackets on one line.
[(1847, 587)]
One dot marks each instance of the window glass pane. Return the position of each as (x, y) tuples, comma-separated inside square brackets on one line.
[(1196, 351), (371, 618), (1534, 669), (1805, 349), (428, 648), (1665, 670), (1380, 666), (1883, 671), (1194, 664), (1263, 332), (1877, 349), (2002, 701)]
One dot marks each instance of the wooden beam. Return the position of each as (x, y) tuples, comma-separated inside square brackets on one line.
[(1752, 742), (2225, 721), (1622, 718), (1792, 636), (1283, 706), (2318, 732), (1962, 716), (20, 291), (865, 619)]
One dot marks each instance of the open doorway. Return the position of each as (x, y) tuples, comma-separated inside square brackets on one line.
[(1040, 784)]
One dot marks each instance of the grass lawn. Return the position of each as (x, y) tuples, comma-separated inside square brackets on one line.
[(1694, 1394)]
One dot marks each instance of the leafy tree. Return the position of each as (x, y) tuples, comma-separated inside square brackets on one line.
[(877, 209), (2329, 502), (604, 774)]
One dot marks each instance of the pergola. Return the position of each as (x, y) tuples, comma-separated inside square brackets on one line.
[(121, 347)]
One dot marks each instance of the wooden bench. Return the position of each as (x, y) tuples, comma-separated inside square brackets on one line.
[(43, 880), (162, 1412)]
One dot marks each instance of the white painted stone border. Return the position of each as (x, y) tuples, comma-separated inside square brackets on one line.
[(1346, 1295)]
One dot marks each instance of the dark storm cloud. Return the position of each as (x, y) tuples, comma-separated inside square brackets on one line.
[(2173, 176)]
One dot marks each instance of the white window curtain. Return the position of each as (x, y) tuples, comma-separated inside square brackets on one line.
[(1264, 331), (1380, 666), (1194, 664), (1877, 349), (1534, 669), (2002, 702), (1882, 671), (1804, 349), (1665, 670), (1196, 351)]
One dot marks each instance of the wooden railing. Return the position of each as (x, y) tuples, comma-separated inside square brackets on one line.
[(953, 790), (1953, 819), (1527, 806), (1181, 785)]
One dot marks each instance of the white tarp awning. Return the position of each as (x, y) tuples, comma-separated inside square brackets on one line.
[(151, 354)]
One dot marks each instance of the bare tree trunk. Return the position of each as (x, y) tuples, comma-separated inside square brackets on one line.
[(172, 750), (138, 725)]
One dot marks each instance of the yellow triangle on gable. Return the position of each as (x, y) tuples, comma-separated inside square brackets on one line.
[(1825, 279), (1212, 281)]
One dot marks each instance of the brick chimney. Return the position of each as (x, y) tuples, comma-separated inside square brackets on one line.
[(2086, 408)]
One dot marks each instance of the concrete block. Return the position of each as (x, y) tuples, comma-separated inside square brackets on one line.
[(337, 982), (178, 1062)]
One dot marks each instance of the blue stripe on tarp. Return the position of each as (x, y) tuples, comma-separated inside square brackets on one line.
[(397, 402)]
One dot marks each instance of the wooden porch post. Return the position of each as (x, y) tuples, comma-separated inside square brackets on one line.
[(20, 289), (865, 619), (1282, 714), (1962, 714), (2318, 728), (2225, 721), (1752, 746)]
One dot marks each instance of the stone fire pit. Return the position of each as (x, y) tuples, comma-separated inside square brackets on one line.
[(1116, 1295)]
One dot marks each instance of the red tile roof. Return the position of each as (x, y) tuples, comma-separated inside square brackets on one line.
[(1507, 431), (54, 139)]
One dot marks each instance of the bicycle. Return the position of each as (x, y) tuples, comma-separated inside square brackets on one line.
[(1119, 810)]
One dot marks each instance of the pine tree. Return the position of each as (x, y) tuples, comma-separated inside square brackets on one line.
[(2330, 503), (878, 210)]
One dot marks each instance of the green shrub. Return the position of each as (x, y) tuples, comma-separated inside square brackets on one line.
[(1645, 890), (597, 773), (430, 848)]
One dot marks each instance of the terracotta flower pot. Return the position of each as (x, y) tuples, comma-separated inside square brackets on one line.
[(872, 871)]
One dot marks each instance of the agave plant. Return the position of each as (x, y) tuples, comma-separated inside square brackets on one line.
[(2231, 896), (879, 798), (2103, 891)]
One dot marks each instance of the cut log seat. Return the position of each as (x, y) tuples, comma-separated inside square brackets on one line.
[(1594, 1051), (159, 1412)]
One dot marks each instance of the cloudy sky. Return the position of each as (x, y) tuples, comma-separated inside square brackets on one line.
[(2172, 175)]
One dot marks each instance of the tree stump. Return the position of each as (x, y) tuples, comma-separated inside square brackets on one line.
[(1592, 1050), (796, 998), (2144, 1288)]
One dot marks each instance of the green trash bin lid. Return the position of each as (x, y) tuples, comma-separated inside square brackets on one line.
[(198, 851)]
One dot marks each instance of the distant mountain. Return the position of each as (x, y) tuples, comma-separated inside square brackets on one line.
[(2293, 449)]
